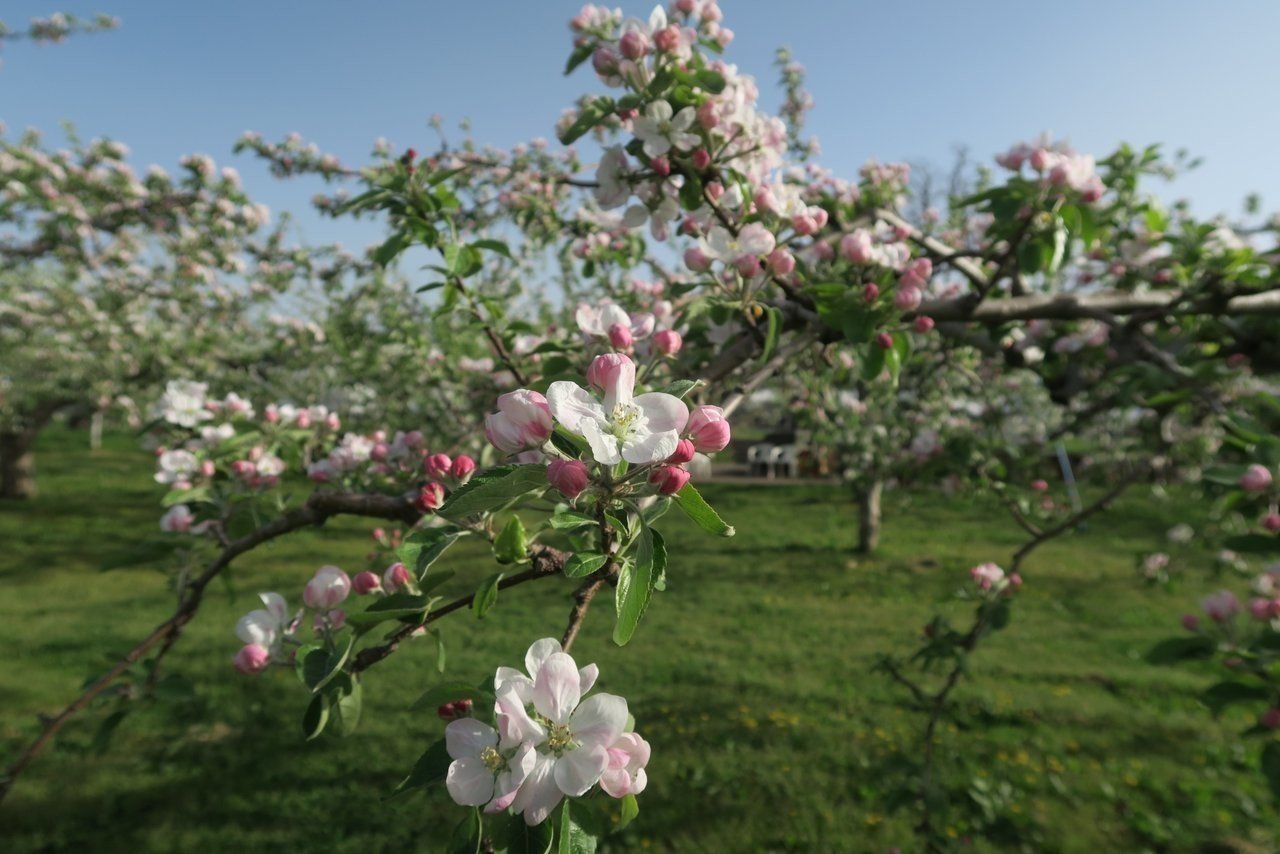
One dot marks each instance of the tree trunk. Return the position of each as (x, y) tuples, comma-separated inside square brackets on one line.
[(95, 431), (17, 464), (869, 517)]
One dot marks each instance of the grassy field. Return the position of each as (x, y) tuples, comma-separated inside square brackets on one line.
[(751, 678)]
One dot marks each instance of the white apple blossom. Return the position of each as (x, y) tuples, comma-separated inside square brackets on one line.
[(660, 130), (183, 403), (596, 320), (640, 429), (612, 189), (267, 626), (175, 466), (490, 765), (753, 240)]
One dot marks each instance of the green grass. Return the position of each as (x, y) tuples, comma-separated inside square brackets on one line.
[(751, 677)]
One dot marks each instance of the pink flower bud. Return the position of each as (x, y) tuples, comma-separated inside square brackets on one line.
[(1190, 622), (605, 370), (379, 534), (1221, 606), (696, 260), (747, 266), (870, 292), (633, 44), (252, 658), (326, 589), (1270, 719), (701, 159), (332, 421), (431, 497), (438, 466), (683, 453), (396, 577), (463, 468), (667, 39), (605, 62), (667, 342), (303, 420), (1039, 159), (923, 324), (709, 429), (781, 262), (271, 415), (620, 337), (707, 115), (1256, 479), (1040, 485), (414, 439), (568, 476), (661, 166), (379, 452), (857, 247), (907, 299), (366, 583), (715, 190), (208, 469), (1260, 609), (523, 420), (884, 341), (669, 479), (1271, 522)]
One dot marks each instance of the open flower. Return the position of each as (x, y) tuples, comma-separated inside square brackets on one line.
[(640, 429), (510, 679), (660, 130), (490, 765), (267, 626), (597, 320), (522, 421), (627, 758), (579, 734)]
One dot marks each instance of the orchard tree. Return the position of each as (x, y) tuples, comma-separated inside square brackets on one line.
[(1062, 267)]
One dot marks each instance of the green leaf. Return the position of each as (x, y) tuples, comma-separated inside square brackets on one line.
[(580, 55), (511, 545), (572, 838), (691, 192), (513, 836), (486, 596), (391, 247), (446, 692), (1253, 543), (1174, 650), (196, 495), (493, 246), (423, 547), (466, 837), (1218, 697), (430, 768), (873, 363), (998, 615), (630, 809), (494, 489), (696, 508), (635, 584), (1271, 766), (582, 565), (774, 317), (406, 607), (680, 388), (346, 703), (315, 717), (336, 660), (311, 663), (567, 520), (710, 81), (592, 114)]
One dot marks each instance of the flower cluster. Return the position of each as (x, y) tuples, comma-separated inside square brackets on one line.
[(549, 742), (993, 581), (270, 633), (1058, 164), (652, 434)]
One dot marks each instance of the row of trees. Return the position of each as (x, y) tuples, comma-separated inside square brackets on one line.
[(618, 310)]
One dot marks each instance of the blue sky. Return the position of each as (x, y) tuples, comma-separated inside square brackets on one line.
[(891, 80)]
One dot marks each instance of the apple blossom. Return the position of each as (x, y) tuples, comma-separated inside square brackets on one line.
[(708, 429), (639, 429), (438, 466), (396, 578), (667, 342), (1221, 606), (659, 129), (523, 420), (1256, 479), (462, 469), (669, 479), (267, 626), (570, 477), (488, 768), (366, 583), (625, 773), (326, 589), (430, 497), (252, 658), (987, 576), (177, 520)]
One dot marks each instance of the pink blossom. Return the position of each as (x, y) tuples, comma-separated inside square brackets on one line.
[(1271, 521), (1040, 485), (326, 589), (366, 583), (987, 576), (463, 467), (781, 262), (523, 420), (667, 342), (709, 429), (438, 466), (396, 578), (857, 247), (625, 774), (907, 298), (923, 324), (431, 497), (1257, 478), (1221, 606), (669, 479), (569, 476), (684, 453), (620, 337), (252, 658)]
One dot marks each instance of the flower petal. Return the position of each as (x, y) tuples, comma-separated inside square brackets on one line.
[(514, 724), (557, 688), (510, 679), (652, 448), (599, 719), (469, 781), (604, 446), (468, 737), (571, 405), (580, 769), (588, 675), (538, 652), (539, 794), (663, 411)]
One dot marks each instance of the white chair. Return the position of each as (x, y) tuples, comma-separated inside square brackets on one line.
[(758, 459), (784, 458)]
